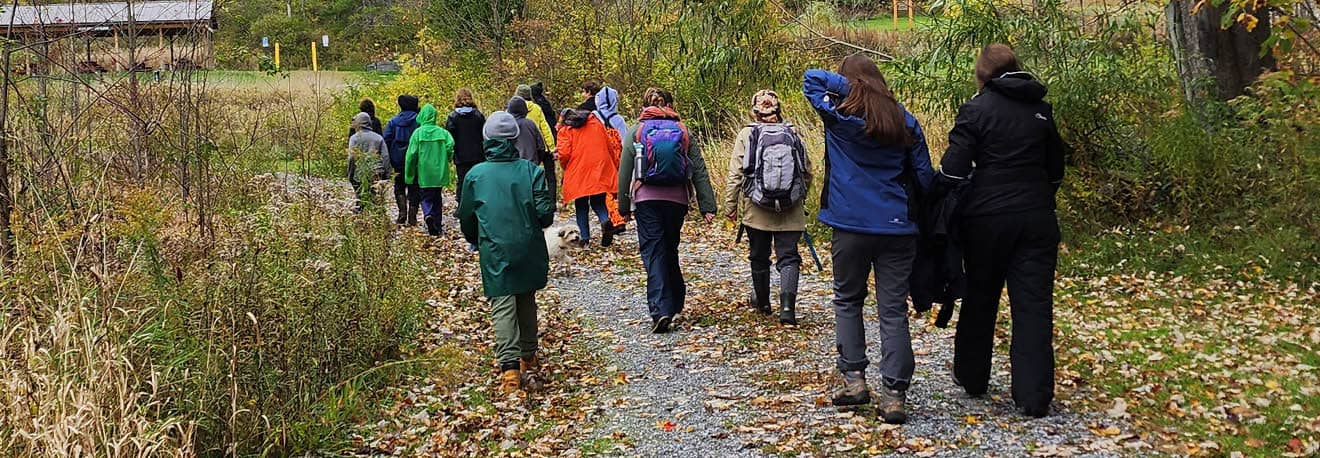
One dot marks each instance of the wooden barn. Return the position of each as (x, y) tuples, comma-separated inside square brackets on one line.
[(114, 36)]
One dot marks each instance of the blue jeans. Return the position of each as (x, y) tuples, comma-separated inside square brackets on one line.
[(597, 203), (658, 226)]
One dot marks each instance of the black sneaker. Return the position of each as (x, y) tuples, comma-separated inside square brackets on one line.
[(661, 325), (970, 393)]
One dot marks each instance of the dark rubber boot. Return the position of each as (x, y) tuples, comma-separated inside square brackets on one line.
[(606, 234), (412, 212), (761, 291), (788, 309)]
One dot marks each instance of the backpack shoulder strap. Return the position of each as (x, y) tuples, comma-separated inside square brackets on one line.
[(753, 148)]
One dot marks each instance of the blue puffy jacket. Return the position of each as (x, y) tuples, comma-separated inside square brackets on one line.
[(397, 133), (863, 190)]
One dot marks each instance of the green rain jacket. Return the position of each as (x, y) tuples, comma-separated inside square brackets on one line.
[(505, 208), (427, 162)]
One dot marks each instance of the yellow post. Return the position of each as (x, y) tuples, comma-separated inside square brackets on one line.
[(277, 56), (314, 68), (895, 3), (911, 20)]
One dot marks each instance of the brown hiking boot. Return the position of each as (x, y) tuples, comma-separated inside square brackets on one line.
[(531, 373), (854, 390), (510, 381), (891, 407)]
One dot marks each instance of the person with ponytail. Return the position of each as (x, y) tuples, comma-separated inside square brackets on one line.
[(1005, 145), (876, 159)]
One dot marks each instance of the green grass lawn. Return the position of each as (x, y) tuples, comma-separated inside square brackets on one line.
[(886, 23)]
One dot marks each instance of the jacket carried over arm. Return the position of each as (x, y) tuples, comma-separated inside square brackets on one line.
[(427, 161), (1006, 142), (700, 182), (793, 219), (506, 206), (864, 190)]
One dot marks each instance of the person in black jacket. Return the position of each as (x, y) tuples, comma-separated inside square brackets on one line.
[(1006, 143), (464, 124), (551, 116)]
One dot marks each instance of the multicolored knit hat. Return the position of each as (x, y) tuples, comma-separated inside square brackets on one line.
[(766, 106)]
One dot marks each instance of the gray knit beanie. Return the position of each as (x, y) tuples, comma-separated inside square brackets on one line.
[(500, 124)]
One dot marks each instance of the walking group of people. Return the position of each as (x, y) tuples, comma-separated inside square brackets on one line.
[(993, 197)]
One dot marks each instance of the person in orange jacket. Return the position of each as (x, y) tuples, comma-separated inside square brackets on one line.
[(589, 152)]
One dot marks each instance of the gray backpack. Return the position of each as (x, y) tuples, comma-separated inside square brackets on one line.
[(774, 168)]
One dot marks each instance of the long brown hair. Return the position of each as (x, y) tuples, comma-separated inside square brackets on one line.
[(996, 59), (869, 98), (463, 98)]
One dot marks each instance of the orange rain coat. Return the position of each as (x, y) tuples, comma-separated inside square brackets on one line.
[(590, 156)]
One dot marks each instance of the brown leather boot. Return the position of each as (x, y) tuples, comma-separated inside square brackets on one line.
[(510, 381), (531, 373)]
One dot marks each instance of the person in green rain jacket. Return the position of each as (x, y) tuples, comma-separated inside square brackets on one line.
[(505, 208), (427, 165)]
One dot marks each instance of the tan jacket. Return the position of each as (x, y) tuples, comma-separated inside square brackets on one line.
[(752, 216)]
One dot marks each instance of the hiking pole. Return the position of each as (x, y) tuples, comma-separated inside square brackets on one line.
[(812, 248)]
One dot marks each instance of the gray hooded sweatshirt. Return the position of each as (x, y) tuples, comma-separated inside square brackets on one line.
[(530, 143)]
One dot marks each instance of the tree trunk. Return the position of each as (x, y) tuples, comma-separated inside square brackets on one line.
[(1213, 61)]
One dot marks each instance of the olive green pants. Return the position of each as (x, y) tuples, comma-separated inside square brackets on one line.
[(515, 327)]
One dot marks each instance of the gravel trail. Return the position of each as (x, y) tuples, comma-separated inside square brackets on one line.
[(732, 383)]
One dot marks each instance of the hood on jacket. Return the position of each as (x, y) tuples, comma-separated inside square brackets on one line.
[(607, 101), (517, 107), (1018, 86), (408, 103), (427, 131), (658, 113), (500, 150), (538, 93), (362, 121), (465, 111)]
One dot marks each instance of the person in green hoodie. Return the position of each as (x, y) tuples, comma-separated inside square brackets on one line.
[(426, 165), (505, 209)]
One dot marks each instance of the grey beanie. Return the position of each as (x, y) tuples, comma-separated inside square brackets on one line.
[(523, 91), (500, 124), (362, 120)]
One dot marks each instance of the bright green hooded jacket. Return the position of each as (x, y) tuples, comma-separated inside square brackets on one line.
[(429, 150), (505, 208)]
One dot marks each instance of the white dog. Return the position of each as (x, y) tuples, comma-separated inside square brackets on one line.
[(560, 239)]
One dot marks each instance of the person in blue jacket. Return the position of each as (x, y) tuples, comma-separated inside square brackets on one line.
[(875, 158), (397, 133)]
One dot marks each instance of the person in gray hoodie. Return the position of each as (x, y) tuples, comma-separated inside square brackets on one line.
[(531, 142), (367, 147)]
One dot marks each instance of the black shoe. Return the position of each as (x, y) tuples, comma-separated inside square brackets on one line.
[(606, 234), (854, 391), (1035, 412), (969, 391), (661, 325)]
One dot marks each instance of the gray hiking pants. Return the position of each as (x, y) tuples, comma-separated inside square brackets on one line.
[(855, 256)]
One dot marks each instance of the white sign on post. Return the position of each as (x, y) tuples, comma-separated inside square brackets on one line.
[(325, 41)]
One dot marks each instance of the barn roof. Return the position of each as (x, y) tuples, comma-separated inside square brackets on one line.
[(98, 15)]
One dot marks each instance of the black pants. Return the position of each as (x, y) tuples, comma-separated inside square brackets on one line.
[(1020, 249), (659, 224), (787, 260), (406, 196), (458, 185), (551, 181)]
